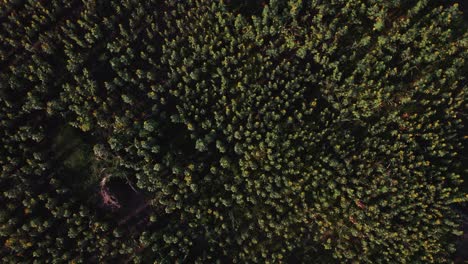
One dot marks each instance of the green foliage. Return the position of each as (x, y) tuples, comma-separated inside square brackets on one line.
[(267, 132)]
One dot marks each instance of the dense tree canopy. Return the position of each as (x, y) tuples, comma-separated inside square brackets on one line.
[(231, 131)]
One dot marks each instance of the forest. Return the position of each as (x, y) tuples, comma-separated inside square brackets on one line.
[(233, 131)]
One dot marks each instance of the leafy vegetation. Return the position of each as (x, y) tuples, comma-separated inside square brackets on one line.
[(231, 131)]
